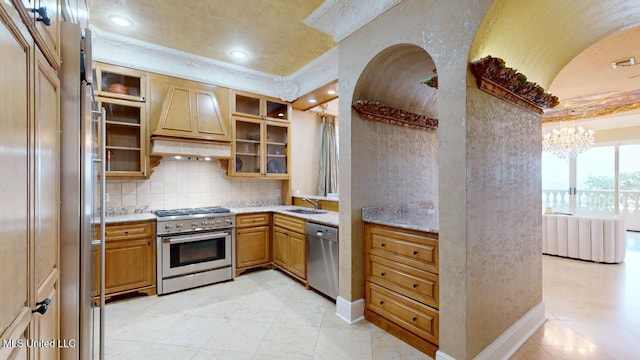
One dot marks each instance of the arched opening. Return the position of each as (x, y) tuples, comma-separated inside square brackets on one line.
[(395, 78)]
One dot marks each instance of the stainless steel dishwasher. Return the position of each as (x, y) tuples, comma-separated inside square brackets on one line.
[(322, 258)]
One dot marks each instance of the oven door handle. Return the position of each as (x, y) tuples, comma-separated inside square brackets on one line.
[(185, 239)]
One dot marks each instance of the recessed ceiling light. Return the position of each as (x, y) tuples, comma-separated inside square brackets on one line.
[(238, 54), (313, 101), (280, 114), (177, 157), (207, 158), (331, 92), (120, 21)]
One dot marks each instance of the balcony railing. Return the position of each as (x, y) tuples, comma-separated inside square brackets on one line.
[(590, 202)]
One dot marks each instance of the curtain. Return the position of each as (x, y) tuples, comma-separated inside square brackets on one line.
[(328, 175)]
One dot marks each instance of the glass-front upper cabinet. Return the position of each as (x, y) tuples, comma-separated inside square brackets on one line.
[(120, 82), (257, 106), (276, 148), (125, 138), (260, 149)]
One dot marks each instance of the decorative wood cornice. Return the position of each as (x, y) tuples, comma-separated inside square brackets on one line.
[(494, 77), (374, 111)]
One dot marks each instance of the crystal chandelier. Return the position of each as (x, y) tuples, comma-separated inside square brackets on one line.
[(568, 141)]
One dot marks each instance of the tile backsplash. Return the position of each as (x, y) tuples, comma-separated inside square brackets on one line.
[(189, 183)]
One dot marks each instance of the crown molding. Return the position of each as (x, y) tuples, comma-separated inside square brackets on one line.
[(341, 18), (125, 51)]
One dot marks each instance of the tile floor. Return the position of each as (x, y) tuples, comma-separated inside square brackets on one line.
[(592, 311), (260, 315)]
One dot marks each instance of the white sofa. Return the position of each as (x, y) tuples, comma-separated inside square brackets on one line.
[(599, 239)]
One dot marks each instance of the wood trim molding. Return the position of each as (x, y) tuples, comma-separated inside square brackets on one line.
[(374, 111), (493, 77)]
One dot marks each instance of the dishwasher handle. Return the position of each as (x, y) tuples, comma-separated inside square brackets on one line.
[(322, 231)]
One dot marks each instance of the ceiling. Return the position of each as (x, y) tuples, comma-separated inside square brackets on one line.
[(278, 42), (272, 33)]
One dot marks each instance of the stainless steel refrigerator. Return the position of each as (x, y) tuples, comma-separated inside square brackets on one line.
[(82, 207)]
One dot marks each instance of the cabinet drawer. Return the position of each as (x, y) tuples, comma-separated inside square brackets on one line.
[(417, 318), (129, 231), (412, 248), (250, 220), (289, 222), (416, 284)]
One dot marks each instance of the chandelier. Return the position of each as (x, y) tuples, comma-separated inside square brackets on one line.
[(568, 141)]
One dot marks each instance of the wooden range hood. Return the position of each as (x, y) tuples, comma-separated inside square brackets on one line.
[(191, 124)]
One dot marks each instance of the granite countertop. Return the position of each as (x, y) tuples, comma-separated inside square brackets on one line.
[(129, 217), (329, 218), (418, 216)]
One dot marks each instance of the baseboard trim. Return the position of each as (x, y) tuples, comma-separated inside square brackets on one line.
[(510, 341), (351, 312)]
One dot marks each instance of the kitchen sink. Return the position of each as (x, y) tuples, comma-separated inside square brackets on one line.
[(307, 211)]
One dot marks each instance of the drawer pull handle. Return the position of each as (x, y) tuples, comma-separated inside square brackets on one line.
[(382, 245), (415, 286), (415, 318), (381, 274), (415, 253), (381, 302)]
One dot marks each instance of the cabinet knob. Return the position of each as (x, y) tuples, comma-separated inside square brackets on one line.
[(381, 302), (415, 286), (382, 245), (415, 318), (415, 253), (381, 274), (42, 306)]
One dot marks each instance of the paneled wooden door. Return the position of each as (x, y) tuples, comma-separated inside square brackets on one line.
[(15, 298)]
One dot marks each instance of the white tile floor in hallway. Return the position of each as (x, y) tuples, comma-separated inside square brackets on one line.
[(592, 310), (260, 315)]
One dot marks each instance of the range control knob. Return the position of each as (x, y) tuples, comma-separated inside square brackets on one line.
[(168, 226), (194, 223), (218, 222), (205, 222), (227, 221), (178, 225)]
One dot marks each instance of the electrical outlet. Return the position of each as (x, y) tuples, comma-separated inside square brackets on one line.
[(278, 193)]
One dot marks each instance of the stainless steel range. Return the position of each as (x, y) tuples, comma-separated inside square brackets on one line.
[(195, 247)]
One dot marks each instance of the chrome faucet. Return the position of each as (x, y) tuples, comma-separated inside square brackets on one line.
[(314, 202)]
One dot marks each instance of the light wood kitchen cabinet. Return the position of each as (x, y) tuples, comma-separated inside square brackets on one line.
[(401, 284), (29, 134), (126, 140), (290, 245), (120, 82), (191, 111), (260, 149), (44, 26), (259, 107), (130, 259), (253, 246), (122, 93)]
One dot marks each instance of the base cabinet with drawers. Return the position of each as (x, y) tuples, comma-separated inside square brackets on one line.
[(401, 284), (290, 245), (253, 246), (130, 259)]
